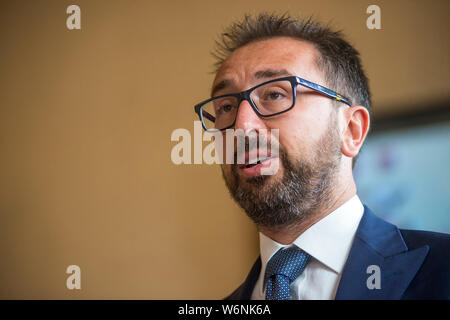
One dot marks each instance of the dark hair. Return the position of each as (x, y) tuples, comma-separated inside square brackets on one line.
[(338, 60)]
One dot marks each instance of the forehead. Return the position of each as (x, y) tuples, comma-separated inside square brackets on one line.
[(282, 53)]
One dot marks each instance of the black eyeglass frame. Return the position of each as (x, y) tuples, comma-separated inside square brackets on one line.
[(245, 95)]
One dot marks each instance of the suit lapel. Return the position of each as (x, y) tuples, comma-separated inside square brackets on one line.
[(380, 244)]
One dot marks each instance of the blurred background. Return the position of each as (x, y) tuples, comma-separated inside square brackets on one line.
[(86, 118)]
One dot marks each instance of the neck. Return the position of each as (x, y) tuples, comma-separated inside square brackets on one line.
[(287, 234)]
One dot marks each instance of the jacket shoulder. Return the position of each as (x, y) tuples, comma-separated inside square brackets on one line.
[(439, 243), (244, 291), (236, 294), (433, 278)]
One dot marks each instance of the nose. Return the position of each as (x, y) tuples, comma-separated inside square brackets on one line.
[(247, 118)]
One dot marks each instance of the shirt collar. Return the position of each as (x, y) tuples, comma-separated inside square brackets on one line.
[(329, 240)]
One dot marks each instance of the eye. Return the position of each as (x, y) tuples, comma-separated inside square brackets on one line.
[(225, 108), (272, 95), (275, 95)]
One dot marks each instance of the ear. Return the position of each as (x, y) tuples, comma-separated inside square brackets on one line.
[(357, 121)]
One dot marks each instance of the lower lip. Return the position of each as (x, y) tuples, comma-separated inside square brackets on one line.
[(256, 169)]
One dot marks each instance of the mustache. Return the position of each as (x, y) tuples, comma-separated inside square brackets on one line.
[(262, 144)]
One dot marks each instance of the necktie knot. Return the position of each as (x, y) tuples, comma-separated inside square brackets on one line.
[(282, 269)]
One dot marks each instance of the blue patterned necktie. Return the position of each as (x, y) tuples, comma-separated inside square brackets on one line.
[(282, 269)]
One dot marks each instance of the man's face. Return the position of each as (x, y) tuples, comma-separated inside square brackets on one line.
[(309, 139)]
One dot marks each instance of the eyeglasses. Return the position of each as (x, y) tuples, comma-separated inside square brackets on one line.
[(267, 99)]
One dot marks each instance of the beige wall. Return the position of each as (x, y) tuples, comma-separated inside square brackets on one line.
[(85, 124)]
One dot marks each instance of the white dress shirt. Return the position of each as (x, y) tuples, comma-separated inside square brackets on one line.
[(328, 242)]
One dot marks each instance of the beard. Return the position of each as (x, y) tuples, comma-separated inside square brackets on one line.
[(305, 185)]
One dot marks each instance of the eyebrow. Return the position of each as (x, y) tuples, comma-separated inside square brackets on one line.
[(221, 85), (270, 73), (262, 74)]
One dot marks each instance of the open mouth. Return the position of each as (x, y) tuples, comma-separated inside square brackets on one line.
[(250, 165), (254, 165)]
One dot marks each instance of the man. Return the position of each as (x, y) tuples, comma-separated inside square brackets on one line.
[(317, 240)]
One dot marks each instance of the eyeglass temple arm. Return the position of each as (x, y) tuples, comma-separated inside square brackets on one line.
[(326, 91), (208, 116), (204, 113)]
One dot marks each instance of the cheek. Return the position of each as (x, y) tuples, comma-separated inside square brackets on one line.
[(294, 144), (221, 149), (308, 124), (297, 139)]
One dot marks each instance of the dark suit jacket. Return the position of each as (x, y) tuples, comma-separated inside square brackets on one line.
[(413, 264)]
